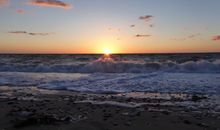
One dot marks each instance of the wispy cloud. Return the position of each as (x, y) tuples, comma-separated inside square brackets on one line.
[(142, 35), (17, 32), (194, 35), (186, 37), (40, 34), (216, 38), (151, 25), (30, 33), (4, 2), (178, 39), (20, 11), (146, 18), (113, 29), (50, 3), (132, 26)]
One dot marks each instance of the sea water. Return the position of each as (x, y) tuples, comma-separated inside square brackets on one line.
[(182, 73)]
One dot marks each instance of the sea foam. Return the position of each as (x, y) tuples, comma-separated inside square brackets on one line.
[(111, 65)]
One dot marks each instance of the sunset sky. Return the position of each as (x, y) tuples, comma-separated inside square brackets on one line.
[(122, 26)]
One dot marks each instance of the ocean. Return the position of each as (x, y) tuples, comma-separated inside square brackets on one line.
[(122, 73)]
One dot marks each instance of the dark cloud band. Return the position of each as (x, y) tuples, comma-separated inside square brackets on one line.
[(50, 3), (30, 33), (141, 35)]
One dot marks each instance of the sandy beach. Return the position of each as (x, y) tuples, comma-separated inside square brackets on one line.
[(34, 109)]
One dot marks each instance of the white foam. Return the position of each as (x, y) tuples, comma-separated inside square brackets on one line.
[(117, 82), (110, 65)]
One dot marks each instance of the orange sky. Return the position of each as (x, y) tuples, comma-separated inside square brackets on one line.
[(143, 26)]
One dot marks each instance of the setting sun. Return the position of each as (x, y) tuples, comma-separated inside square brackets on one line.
[(107, 51), (115, 64)]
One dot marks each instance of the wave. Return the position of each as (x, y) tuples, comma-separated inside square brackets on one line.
[(109, 65), (116, 82)]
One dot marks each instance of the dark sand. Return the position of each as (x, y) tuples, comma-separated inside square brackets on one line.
[(34, 109)]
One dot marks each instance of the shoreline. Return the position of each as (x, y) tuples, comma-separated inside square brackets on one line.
[(31, 108)]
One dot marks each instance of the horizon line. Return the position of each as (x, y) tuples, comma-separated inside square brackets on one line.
[(111, 53)]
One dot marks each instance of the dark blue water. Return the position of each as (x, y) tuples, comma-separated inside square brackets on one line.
[(136, 63), (188, 73)]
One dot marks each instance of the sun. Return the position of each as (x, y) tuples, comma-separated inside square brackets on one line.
[(107, 51)]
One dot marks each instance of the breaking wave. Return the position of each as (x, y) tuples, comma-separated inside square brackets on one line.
[(109, 65)]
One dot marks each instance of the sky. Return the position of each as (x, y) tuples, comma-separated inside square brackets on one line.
[(119, 26)]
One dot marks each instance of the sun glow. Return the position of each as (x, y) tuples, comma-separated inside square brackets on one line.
[(107, 51)]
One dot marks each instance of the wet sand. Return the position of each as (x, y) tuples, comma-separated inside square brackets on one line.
[(33, 109)]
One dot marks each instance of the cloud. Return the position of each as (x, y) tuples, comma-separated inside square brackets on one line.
[(216, 38), (151, 25), (40, 34), (141, 35), (112, 29), (194, 35), (132, 26), (178, 39), (4, 2), (20, 11), (17, 32), (146, 18), (186, 37), (30, 33), (50, 3)]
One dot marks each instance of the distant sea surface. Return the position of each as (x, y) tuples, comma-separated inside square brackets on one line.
[(185, 73)]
